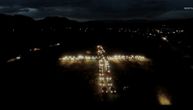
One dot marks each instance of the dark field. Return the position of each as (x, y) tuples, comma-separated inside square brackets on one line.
[(38, 76)]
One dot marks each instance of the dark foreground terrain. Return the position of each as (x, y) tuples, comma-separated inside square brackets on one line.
[(31, 74)]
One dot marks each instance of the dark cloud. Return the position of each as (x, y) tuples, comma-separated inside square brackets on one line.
[(176, 14), (96, 9)]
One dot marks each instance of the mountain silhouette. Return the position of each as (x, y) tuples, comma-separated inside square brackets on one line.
[(20, 23)]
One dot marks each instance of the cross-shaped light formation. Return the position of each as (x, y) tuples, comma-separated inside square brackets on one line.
[(104, 79)]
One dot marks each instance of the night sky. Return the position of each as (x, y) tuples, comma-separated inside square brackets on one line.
[(100, 9)]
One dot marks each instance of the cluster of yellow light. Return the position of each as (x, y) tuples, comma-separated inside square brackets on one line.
[(105, 81), (130, 58), (66, 59), (163, 98)]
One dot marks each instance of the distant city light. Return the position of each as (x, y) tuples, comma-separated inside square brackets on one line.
[(34, 49), (14, 59), (57, 44), (18, 57), (165, 39)]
